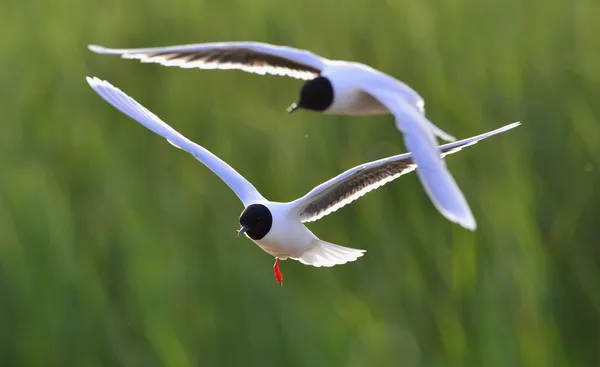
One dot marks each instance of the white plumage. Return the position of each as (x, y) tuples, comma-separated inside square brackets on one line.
[(278, 227)]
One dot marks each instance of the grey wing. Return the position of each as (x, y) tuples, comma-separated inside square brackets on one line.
[(130, 107), (252, 57), (331, 196), (356, 182)]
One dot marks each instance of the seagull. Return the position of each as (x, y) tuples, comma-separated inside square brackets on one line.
[(278, 228), (332, 87)]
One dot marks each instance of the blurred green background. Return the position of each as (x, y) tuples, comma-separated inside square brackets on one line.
[(118, 250)]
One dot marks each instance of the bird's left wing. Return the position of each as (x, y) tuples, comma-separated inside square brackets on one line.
[(130, 107), (355, 182)]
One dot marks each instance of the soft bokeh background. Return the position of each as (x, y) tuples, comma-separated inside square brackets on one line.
[(118, 250)]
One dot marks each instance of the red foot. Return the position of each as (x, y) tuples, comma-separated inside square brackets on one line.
[(277, 272)]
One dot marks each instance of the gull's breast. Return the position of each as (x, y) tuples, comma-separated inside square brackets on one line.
[(286, 238)]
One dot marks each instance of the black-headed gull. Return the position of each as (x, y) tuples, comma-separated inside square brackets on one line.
[(278, 228), (332, 87)]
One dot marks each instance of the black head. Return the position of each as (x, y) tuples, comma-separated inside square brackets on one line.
[(256, 221), (316, 95)]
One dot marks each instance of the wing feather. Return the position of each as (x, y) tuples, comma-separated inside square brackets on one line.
[(253, 57), (356, 182), (130, 107)]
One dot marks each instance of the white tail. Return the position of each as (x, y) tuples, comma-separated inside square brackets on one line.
[(327, 254)]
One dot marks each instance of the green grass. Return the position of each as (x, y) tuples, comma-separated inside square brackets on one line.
[(118, 250)]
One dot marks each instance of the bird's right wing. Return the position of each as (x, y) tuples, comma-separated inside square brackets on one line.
[(253, 57), (121, 101), (356, 182)]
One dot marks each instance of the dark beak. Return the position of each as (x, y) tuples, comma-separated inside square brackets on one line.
[(242, 231), (292, 108)]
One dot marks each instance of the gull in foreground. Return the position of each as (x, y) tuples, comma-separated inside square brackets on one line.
[(276, 227), (337, 88)]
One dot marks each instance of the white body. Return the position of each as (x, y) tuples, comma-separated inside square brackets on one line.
[(288, 237)]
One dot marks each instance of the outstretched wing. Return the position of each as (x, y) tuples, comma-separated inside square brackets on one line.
[(121, 101), (356, 182), (253, 57)]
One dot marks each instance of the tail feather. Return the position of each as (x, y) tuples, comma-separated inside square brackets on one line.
[(327, 254)]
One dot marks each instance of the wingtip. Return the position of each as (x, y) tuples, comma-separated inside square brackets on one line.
[(91, 80), (464, 219), (514, 124), (98, 84), (507, 127), (469, 224), (94, 81), (96, 48)]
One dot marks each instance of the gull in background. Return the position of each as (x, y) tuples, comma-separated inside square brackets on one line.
[(332, 87), (278, 228)]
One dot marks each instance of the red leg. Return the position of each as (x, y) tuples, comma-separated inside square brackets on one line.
[(277, 272)]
